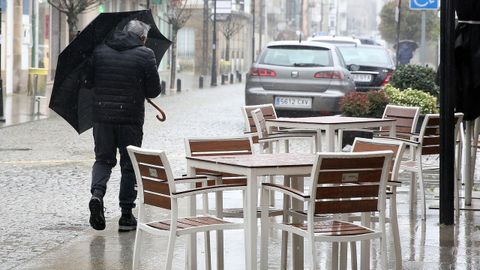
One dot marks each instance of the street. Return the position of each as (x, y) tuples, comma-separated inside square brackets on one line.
[(46, 167)]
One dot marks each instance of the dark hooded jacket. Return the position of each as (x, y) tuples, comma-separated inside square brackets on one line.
[(124, 74)]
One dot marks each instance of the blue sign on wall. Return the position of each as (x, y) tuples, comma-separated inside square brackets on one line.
[(424, 4)]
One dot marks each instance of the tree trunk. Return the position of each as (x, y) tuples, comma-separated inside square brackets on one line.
[(227, 50), (72, 26), (173, 64)]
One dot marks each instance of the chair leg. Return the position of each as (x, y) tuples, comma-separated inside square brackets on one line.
[(219, 242), (286, 206), (383, 253), (208, 257), (413, 184), (353, 251), (395, 230), (265, 225), (334, 255), (422, 187), (171, 246), (313, 253), (343, 255), (271, 178), (136, 249)]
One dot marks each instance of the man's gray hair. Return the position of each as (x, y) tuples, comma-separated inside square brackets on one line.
[(137, 27)]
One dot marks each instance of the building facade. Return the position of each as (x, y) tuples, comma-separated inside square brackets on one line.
[(34, 33)]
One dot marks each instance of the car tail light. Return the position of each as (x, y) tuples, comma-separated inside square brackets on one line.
[(262, 72), (387, 78), (329, 75)]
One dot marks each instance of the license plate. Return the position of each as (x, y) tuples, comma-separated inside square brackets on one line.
[(293, 102), (362, 77)]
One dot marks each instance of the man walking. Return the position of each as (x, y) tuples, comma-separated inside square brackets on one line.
[(124, 74)]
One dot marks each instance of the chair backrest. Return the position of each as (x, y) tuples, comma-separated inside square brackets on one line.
[(241, 145), (397, 147), (260, 124), (268, 113), (349, 182), (154, 177), (429, 136), (406, 119)]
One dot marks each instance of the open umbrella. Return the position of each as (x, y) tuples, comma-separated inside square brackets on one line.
[(72, 96)]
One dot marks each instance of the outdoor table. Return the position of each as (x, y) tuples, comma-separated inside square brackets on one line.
[(254, 166), (330, 125)]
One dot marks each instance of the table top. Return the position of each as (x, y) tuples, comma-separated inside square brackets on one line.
[(260, 160), (329, 120)]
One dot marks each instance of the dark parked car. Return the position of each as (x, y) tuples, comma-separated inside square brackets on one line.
[(302, 78), (371, 66)]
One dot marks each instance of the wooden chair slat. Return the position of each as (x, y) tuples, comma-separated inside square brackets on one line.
[(335, 228), (221, 146), (156, 186), (404, 112), (428, 141), (362, 146), (157, 200), (148, 159), (352, 163), (152, 172), (403, 122), (344, 207), (432, 130), (349, 176), (431, 150), (434, 121), (225, 181), (185, 223), (357, 191)]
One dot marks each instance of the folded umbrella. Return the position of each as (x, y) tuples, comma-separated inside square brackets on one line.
[(467, 58), (72, 95)]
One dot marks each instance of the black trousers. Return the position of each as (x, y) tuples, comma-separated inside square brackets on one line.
[(108, 138)]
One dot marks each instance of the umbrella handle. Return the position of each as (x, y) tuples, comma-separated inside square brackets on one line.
[(162, 116)]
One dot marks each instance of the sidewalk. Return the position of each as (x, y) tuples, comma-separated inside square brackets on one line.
[(20, 108)]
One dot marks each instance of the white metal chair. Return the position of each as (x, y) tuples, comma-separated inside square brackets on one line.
[(157, 187), (267, 138), (342, 183), (397, 147), (426, 145), (269, 112), (405, 125), (240, 145), (406, 120)]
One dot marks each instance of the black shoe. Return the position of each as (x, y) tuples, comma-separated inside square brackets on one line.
[(97, 218), (126, 223)]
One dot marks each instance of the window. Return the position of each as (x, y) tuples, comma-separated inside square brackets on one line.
[(366, 56), (186, 43), (299, 56)]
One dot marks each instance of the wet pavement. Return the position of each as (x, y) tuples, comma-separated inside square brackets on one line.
[(45, 177)]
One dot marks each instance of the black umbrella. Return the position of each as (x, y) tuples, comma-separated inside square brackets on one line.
[(72, 97), (467, 58)]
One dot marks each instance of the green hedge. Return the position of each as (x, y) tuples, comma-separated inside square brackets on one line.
[(415, 77)]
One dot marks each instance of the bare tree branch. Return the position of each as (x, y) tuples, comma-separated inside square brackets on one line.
[(231, 26), (72, 8)]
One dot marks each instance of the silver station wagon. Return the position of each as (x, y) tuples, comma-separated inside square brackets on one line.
[(299, 78)]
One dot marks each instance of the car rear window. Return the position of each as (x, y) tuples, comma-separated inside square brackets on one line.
[(297, 56), (366, 56)]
